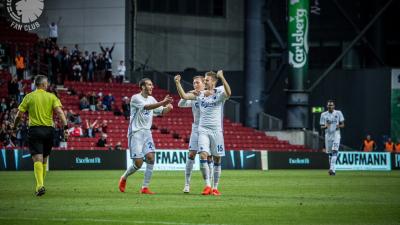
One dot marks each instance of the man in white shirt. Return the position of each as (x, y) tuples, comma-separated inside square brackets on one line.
[(211, 139), (140, 140), (121, 72), (53, 31), (331, 121)]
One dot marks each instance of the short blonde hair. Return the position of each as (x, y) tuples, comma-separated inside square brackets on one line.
[(212, 74), (199, 77)]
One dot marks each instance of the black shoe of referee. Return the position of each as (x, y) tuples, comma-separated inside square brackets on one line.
[(41, 191)]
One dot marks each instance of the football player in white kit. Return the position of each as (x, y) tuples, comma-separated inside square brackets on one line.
[(198, 85), (211, 139), (331, 121), (140, 140)]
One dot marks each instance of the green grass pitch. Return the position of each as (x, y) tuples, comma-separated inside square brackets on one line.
[(248, 197)]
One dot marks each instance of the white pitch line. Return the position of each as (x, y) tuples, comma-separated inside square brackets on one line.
[(102, 221)]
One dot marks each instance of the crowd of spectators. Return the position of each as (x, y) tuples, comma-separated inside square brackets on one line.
[(80, 65)]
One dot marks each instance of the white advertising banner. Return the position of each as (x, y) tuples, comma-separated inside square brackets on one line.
[(166, 159), (363, 161)]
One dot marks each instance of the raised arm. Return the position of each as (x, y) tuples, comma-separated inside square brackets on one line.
[(59, 20), (94, 123), (227, 88), (112, 48), (101, 48), (181, 92)]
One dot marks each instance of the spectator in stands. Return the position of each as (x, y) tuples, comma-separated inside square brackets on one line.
[(91, 65), (126, 109), (108, 61), (102, 142), (8, 141), (99, 106), (13, 111), (85, 65), (65, 64), (53, 89), (53, 31), (13, 87), (55, 58), (92, 101), (397, 146), (76, 52), (58, 134), (368, 144), (115, 109), (118, 146), (33, 86), (20, 65), (75, 131), (389, 145), (121, 72), (100, 68), (73, 117), (3, 132), (21, 91), (22, 133), (84, 104), (63, 139), (107, 54), (90, 128), (3, 105), (107, 101), (103, 126), (77, 70)]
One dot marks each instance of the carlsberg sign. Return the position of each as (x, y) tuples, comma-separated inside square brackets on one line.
[(298, 33)]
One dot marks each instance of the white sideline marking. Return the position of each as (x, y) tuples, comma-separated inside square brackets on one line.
[(103, 221)]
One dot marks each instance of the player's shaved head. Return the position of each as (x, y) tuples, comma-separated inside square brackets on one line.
[(142, 82)]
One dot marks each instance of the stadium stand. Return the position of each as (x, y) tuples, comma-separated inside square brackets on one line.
[(169, 132)]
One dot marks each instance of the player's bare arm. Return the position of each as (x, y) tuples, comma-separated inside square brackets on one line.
[(167, 100), (181, 92), (227, 88)]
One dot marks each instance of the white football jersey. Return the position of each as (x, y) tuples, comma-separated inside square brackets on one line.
[(211, 110), (333, 119), (195, 110), (141, 118)]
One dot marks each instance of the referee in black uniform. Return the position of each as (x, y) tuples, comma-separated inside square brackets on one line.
[(40, 106)]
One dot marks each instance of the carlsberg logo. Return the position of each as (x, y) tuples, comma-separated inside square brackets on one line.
[(299, 47)]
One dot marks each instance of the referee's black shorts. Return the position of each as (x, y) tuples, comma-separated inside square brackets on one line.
[(40, 140)]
